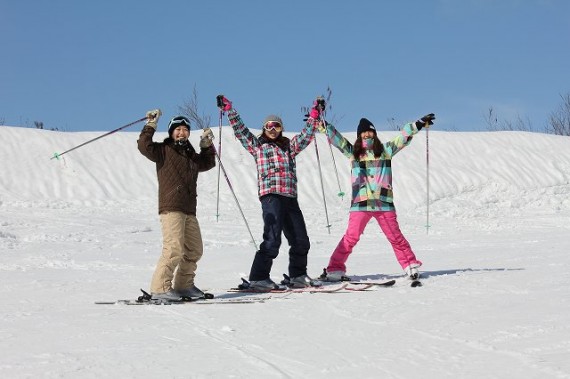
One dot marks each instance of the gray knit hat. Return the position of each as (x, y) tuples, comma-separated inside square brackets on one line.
[(273, 118)]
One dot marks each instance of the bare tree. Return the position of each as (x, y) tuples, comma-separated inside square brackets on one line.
[(523, 124), (190, 109), (394, 124), (494, 124), (560, 119), (491, 120), (333, 119), (40, 125)]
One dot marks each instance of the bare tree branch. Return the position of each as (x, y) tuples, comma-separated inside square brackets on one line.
[(495, 125), (560, 119), (190, 109), (334, 119)]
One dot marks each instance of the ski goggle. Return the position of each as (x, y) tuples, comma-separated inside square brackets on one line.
[(273, 125), (179, 120)]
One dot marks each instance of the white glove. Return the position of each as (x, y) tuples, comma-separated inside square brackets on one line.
[(152, 117), (206, 138)]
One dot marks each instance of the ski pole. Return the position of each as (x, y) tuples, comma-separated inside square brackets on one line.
[(219, 167), (57, 155), (322, 185), (340, 191), (219, 99), (427, 179), (236, 199)]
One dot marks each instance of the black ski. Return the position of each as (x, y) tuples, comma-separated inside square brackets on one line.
[(208, 298), (388, 283)]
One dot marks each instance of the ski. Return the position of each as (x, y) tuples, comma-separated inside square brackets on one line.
[(319, 289), (200, 301), (359, 286), (330, 288), (208, 298), (388, 283)]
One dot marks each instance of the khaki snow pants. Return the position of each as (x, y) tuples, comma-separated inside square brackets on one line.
[(181, 248)]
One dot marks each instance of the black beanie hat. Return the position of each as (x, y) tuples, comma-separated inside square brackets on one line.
[(363, 126), (176, 122)]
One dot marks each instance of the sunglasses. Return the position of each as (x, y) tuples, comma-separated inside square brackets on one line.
[(179, 120), (273, 125)]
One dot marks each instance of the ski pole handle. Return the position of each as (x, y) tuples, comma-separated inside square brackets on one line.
[(321, 103), (220, 101)]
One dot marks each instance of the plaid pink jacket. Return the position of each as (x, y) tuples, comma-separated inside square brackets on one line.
[(276, 168)]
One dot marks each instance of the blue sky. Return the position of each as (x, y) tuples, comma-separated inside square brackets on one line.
[(97, 65)]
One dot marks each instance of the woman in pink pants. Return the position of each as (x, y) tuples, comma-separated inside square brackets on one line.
[(372, 195)]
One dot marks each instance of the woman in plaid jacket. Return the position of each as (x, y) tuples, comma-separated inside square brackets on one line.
[(372, 196), (274, 155)]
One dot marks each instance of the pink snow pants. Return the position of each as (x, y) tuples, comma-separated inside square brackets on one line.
[(388, 222)]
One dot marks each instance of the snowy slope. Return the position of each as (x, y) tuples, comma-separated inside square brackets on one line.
[(85, 228)]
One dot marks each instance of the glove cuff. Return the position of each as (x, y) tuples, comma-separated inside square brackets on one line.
[(152, 124), (205, 143)]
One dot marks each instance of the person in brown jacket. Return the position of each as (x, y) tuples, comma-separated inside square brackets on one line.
[(177, 168)]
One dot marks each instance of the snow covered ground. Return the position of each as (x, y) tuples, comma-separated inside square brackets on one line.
[(495, 300)]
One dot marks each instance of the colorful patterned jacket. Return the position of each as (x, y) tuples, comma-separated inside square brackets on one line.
[(276, 168), (371, 177)]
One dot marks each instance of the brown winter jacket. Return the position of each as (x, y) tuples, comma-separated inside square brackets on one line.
[(177, 169)]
